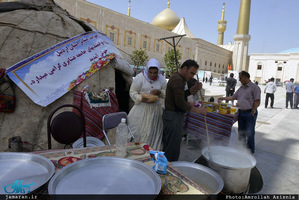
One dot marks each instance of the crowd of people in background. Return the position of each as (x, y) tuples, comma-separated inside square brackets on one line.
[(292, 93)]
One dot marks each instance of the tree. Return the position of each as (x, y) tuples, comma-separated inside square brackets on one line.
[(169, 60), (138, 58)]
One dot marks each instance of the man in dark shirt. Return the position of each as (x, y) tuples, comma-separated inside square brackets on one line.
[(230, 86), (176, 106)]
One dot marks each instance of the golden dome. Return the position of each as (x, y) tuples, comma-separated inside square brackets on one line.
[(167, 19)]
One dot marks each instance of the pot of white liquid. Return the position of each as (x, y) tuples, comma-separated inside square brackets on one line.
[(233, 165)]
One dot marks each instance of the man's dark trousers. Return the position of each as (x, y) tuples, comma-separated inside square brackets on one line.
[(271, 96), (172, 134), (289, 99)]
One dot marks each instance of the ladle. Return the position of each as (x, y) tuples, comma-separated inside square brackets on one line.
[(207, 131)]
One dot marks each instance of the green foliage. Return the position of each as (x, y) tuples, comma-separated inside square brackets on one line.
[(169, 60), (138, 57)]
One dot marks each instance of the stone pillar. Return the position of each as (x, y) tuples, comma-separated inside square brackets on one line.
[(240, 54)]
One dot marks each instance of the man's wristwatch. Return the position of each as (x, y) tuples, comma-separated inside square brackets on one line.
[(253, 111)]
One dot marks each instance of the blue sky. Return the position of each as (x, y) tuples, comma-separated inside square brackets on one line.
[(274, 24)]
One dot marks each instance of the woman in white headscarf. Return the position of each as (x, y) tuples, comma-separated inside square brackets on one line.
[(145, 118)]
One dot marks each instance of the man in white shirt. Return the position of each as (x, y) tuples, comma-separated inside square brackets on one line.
[(290, 92), (270, 90)]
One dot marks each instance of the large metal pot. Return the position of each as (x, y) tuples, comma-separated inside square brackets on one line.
[(208, 179), (233, 165)]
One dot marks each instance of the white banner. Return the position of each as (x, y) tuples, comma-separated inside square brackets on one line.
[(48, 75)]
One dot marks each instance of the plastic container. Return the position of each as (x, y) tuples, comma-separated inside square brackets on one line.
[(121, 139), (210, 108), (222, 110)]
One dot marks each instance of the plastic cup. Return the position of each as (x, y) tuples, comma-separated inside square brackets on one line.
[(233, 110), (137, 139)]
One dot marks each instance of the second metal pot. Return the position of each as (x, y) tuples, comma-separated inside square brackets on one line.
[(233, 165)]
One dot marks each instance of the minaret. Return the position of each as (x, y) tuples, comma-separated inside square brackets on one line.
[(240, 54), (221, 28), (129, 8)]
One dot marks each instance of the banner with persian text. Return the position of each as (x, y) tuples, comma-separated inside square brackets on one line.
[(48, 75)]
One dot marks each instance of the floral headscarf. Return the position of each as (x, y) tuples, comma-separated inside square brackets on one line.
[(152, 63)]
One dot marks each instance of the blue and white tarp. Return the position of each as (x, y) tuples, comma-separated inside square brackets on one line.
[(48, 75)]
